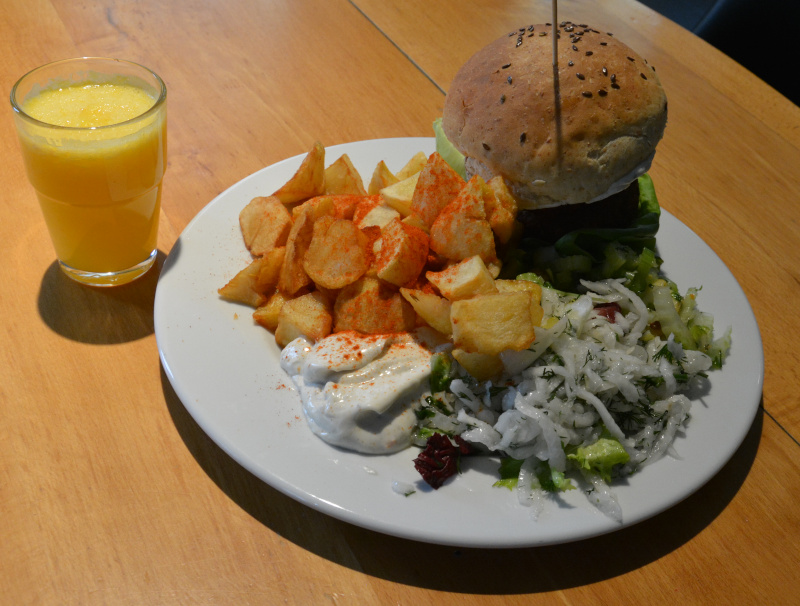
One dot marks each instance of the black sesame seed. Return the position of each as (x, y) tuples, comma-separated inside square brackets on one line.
[(569, 28), (586, 94), (604, 44), (509, 79), (615, 85), (631, 59), (506, 66), (486, 147), (613, 77), (580, 76), (519, 41), (609, 34), (530, 28), (605, 71), (583, 25), (574, 47), (643, 76), (522, 138), (570, 63), (542, 33), (502, 99), (589, 53), (522, 29), (602, 92)]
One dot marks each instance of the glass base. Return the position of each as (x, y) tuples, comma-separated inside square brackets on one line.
[(110, 278)]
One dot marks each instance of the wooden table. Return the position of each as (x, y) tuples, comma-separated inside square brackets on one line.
[(109, 491)]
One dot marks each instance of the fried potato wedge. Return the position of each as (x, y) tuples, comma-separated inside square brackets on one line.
[(267, 314), (400, 194), (501, 208), (293, 275), (520, 285), (308, 181), (537, 313), (337, 254), (403, 253), (415, 221), (372, 211), (308, 316), (379, 216), (436, 187), (341, 177), (433, 309), (270, 270), (344, 206), (461, 230), (490, 324), (265, 223), (463, 280), (413, 166), (372, 307), (381, 177), (481, 366), (373, 234), (242, 288), (494, 267)]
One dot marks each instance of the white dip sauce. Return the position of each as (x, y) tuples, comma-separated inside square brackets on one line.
[(359, 391)]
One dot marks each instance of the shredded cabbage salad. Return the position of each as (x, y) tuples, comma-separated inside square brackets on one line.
[(597, 396)]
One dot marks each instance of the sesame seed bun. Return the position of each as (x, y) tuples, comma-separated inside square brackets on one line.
[(501, 113)]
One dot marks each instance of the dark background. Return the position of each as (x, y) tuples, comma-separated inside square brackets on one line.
[(761, 35)]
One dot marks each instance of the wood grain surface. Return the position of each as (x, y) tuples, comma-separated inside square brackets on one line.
[(109, 491)]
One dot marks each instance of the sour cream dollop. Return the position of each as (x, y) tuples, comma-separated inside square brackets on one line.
[(359, 391)]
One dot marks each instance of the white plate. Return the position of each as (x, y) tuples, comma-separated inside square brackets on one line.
[(226, 372)]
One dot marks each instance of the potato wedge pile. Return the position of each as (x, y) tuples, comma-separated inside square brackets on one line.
[(416, 247)]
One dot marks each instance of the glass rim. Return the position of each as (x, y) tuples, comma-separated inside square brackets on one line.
[(162, 97)]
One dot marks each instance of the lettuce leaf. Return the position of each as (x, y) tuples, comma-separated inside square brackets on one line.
[(594, 254), (639, 235), (509, 473), (552, 480), (600, 457), (447, 150), (547, 478), (441, 366)]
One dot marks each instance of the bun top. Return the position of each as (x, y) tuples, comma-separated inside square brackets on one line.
[(501, 113)]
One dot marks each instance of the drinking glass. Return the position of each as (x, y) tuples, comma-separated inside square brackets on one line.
[(93, 133)]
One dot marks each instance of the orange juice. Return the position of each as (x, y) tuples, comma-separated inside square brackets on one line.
[(95, 152)]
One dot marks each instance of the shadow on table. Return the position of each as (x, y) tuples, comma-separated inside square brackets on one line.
[(99, 316), (467, 570)]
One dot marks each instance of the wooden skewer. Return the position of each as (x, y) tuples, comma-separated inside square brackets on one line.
[(556, 85), (555, 35)]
